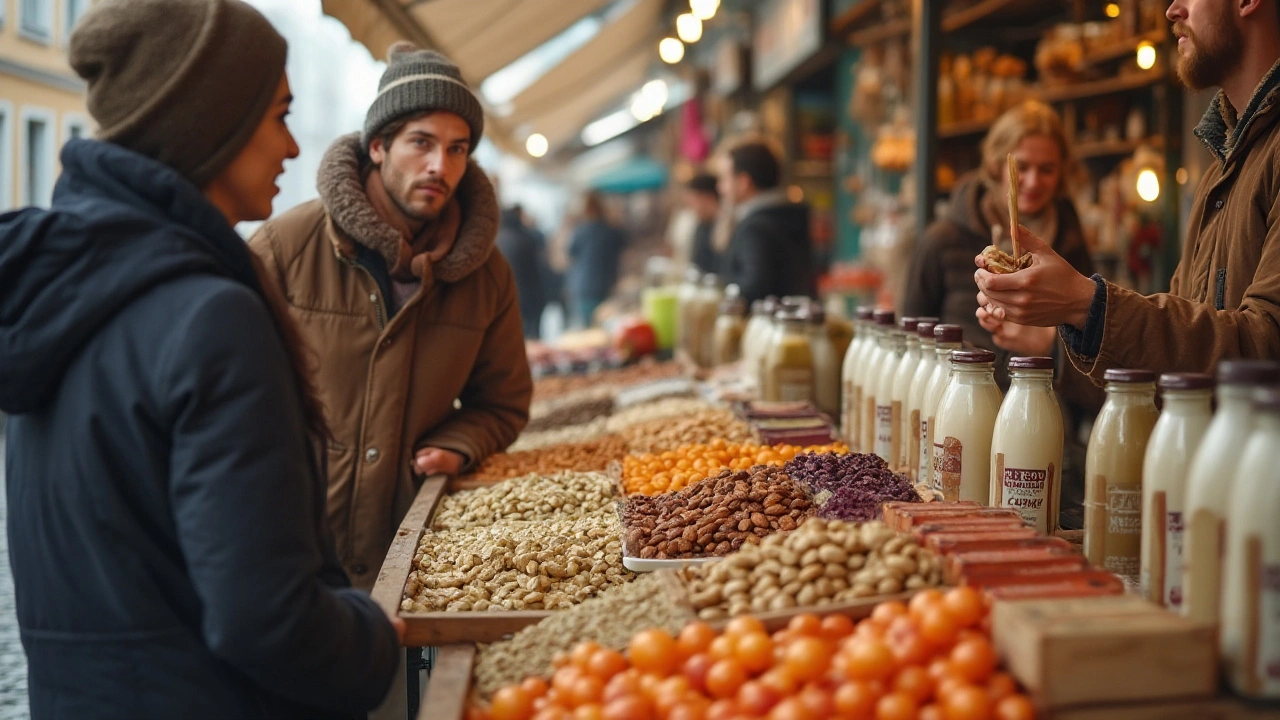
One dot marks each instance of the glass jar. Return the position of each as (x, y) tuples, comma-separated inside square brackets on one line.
[(706, 310), (870, 380), (1113, 473), (915, 399), (686, 300), (948, 338), (1026, 447), (1188, 408), (902, 389), (730, 328), (854, 360), (826, 363), (789, 360), (1210, 481), (755, 337), (1251, 585), (892, 346), (966, 422)]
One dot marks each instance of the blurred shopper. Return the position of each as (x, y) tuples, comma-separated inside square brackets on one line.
[(770, 251), (702, 197), (393, 279), (526, 254), (1224, 299), (940, 281), (595, 251), (167, 527)]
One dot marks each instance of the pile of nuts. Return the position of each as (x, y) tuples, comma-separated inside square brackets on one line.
[(715, 516), (610, 619), (590, 456), (559, 436), (673, 470), (824, 562), (703, 426), (556, 386), (516, 565), (563, 496), (571, 411), (659, 410)]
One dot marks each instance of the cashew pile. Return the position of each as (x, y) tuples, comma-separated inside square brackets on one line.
[(695, 428), (563, 496), (823, 562), (517, 565)]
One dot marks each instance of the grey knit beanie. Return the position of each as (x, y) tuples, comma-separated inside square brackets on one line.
[(417, 81), (185, 82)]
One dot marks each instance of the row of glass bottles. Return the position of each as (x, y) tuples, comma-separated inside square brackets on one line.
[(791, 349)]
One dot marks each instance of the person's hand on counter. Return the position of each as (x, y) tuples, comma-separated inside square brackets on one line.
[(438, 461), (1021, 340), (1048, 293)]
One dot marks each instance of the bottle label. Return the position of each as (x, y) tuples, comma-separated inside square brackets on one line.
[(884, 433), (1266, 621), (1173, 531), (926, 453), (949, 460), (1027, 492), (913, 444), (850, 419), (1124, 533), (1202, 569), (794, 384)]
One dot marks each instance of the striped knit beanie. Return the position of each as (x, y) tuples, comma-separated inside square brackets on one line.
[(418, 81)]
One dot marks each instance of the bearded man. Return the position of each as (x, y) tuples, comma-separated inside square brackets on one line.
[(1224, 300), (393, 280)]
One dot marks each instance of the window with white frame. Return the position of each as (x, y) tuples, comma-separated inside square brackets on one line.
[(6, 155), (71, 12), (36, 157), (74, 127), (36, 19)]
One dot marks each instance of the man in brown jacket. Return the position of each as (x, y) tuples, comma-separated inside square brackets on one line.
[(394, 282), (1224, 301)]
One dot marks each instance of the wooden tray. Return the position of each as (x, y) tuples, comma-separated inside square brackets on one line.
[(435, 629), (449, 685)]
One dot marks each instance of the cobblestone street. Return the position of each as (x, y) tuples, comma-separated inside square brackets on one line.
[(13, 665)]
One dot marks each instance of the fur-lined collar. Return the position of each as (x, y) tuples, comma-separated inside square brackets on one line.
[(341, 185), (1223, 137)]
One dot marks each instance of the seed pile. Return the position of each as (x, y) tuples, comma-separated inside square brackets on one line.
[(590, 456), (609, 619), (562, 496), (850, 487), (700, 427), (517, 565), (715, 516), (575, 411), (658, 410), (560, 436), (824, 562)]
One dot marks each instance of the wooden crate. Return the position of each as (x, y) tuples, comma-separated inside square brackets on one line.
[(434, 629), (449, 686)]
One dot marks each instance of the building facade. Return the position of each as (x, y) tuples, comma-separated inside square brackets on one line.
[(42, 101)]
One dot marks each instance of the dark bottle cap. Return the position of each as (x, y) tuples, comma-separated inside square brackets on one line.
[(1186, 381), (948, 333), (925, 329), (972, 357), (884, 318), (909, 324), (1031, 363), (1119, 375), (866, 312), (1267, 398), (933, 320), (1248, 372)]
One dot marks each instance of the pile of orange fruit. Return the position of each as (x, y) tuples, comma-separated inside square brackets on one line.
[(658, 473), (929, 660)]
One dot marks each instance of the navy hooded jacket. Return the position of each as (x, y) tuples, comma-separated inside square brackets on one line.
[(166, 516)]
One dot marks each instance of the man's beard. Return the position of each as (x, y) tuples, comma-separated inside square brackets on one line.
[(1214, 54), (393, 182)]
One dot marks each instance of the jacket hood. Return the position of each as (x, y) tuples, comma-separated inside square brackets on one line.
[(341, 185), (120, 224), (965, 209)]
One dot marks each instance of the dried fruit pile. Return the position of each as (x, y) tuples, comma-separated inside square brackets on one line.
[(850, 487), (663, 472)]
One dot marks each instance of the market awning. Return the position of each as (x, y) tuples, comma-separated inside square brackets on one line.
[(637, 173), (576, 109)]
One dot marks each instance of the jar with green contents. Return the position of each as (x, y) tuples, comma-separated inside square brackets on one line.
[(788, 365)]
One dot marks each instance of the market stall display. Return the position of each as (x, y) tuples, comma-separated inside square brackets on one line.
[(696, 428), (849, 487), (556, 386), (655, 473), (591, 455)]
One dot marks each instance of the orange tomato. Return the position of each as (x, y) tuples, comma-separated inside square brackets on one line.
[(967, 703), (757, 698), (819, 701), (722, 710), (690, 709), (965, 605), (806, 658), (836, 627), (605, 663), (931, 712), (1015, 707), (923, 600), (743, 625), (553, 712), (631, 707), (791, 709), (725, 678), (511, 703), (695, 637), (805, 624), (937, 627), (855, 700), (475, 712), (886, 612), (896, 706), (914, 681), (780, 681), (1001, 685), (594, 711), (535, 686), (974, 660), (754, 651), (695, 670), (564, 678), (869, 659), (653, 651), (587, 689), (621, 685), (724, 647)]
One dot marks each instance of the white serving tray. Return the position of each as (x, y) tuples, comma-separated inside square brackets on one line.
[(639, 565)]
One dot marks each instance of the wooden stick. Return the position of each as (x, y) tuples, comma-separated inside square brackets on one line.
[(1013, 206)]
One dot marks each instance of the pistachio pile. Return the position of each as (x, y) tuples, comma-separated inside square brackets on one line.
[(562, 496), (699, 427)]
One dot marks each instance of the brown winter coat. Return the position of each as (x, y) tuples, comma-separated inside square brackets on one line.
[(1224, 300), (389, 387)]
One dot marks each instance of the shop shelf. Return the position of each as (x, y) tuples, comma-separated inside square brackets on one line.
[(1098, 88), (1114, 148), (963, 129), (881, 32), (1124, 48)]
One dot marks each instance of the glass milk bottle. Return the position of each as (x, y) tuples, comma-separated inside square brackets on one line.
[(871, 380), (1210, 482), (948, 339), (892, 345), (1026, 448), (854, 359), (915, 398), (1113, 473), (966, 423), (1188, 408), (902, 389), (826, 364), (1251, 578), (789, 360), (754, 337)]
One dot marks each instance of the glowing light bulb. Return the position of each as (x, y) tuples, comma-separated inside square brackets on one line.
[(1113, 10), (1148, 185), (655, 93), (1146, 56), (689, 28), (704, 10), (671, 50), (537, 145)]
